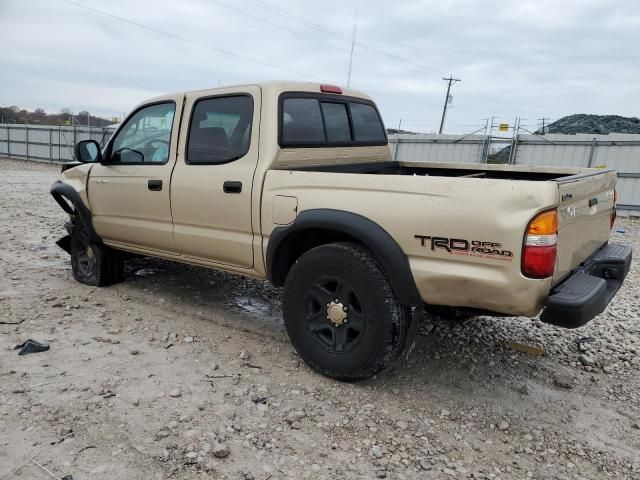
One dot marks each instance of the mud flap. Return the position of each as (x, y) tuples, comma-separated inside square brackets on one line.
[(412, 334), (65, 243)]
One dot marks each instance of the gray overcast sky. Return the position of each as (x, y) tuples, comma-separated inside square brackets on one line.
[(528, 58)]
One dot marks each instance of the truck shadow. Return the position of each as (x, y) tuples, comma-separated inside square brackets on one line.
[(181, 287)]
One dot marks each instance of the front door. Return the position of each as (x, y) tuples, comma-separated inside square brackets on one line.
[(212, 181), (129, 192)]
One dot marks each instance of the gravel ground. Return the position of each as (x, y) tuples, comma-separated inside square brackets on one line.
[(182, 372)]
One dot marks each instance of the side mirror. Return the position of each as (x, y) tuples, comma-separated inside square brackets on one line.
[(88, 151)]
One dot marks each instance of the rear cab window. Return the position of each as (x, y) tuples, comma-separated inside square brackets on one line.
[(322, 120)]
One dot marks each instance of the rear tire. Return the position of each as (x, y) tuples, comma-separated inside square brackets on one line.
[(91, 263), (341, 314)]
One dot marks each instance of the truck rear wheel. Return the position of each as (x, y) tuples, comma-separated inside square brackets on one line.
[(341, 314), (93, 264)]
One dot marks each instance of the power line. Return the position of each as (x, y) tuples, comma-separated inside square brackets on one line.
[(224, 52), (335, 34), (279, 11), (254, 60), (351, 50), (400, 59), (275, 25), (401, 99), (219, 50), (184, 39)]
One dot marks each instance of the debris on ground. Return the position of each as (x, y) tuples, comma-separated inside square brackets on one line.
[(12, 322), (523, 348), (175, 393), (32, 346), (586, 360)]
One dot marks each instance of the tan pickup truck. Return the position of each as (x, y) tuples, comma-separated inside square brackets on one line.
[(295, 182)]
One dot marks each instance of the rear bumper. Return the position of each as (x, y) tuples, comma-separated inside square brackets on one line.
[(589, 289)]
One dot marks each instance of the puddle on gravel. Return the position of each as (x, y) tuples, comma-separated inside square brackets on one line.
[(177, 283), (146, 272), (257, 308)]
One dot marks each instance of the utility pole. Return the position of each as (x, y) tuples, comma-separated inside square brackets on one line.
[(450, 81), (353, 45), (544, 126)]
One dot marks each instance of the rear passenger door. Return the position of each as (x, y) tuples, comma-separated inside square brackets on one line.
[(212, 180)]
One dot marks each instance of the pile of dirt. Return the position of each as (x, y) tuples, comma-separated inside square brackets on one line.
[(594, 124)]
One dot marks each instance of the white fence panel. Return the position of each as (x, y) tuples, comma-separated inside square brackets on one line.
[(619, 151), (47, 142), (437, 148)]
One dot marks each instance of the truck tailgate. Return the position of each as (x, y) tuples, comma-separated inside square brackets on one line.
[(586, 203)]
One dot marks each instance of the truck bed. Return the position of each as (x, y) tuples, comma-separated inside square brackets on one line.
[(475, 202), (436, 169)]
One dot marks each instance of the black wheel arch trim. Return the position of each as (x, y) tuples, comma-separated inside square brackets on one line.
[(60, 191), (386, 250)]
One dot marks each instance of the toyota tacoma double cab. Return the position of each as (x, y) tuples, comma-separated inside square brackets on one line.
[(295, 183)]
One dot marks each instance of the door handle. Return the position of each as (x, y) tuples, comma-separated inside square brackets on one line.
[(154, 185), (232, 187)]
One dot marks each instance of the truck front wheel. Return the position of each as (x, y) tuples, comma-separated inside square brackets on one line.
[(340, 312), (93, 264)]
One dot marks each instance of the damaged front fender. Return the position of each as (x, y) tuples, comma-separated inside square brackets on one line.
[(70, 201)]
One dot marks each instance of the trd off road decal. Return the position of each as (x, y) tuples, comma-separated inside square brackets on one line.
[(460, 246)]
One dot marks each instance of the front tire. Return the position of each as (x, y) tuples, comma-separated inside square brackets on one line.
[(341, 314), (91, 263)]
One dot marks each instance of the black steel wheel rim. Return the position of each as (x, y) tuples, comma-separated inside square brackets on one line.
[(329, 292), (85, 257)]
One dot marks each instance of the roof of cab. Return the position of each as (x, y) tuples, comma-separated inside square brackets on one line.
[(274, 87)]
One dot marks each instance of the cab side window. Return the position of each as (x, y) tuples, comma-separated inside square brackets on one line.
[(220, 130), (146, 136)]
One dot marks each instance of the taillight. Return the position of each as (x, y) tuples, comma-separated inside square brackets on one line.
[(613, 208), (539, 251)]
